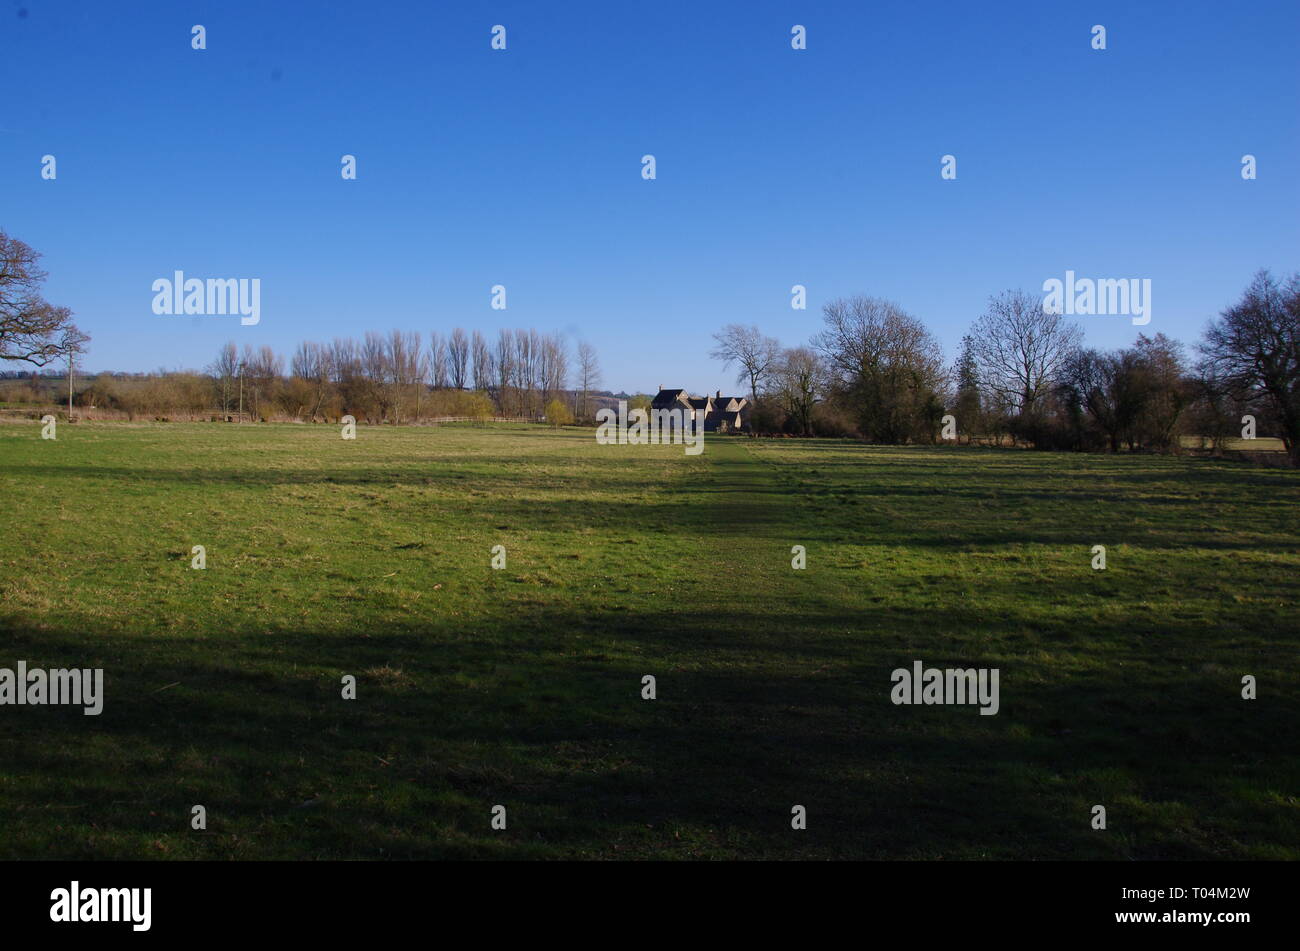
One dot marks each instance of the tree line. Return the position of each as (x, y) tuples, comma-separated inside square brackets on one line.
[(874, 371), (397, 377), (1023, 375), (381, 378)]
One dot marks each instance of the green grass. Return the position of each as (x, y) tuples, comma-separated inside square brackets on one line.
[(522, 686)]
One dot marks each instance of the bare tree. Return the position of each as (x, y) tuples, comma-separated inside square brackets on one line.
[(799, 378), (503, 361), (31, 328), (420, 369), (1216, 405), (885, 366), (374, 370), (528, 346), (438, 360), (755, 354), (1253, 347), (225, 369), (458, 355), (402, 363), (1134, 395), (553, 367), (1020, 350), (262, 370), (310, 363), (346, 375), (588, 376), (1166, 389), (482, 359), (1104, 385)]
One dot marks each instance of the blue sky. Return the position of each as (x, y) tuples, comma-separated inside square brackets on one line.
[(775, 167)]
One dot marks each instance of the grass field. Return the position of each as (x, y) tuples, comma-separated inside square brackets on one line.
[(522, 686)]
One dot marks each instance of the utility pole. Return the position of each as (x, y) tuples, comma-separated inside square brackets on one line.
[(241, 391), (69, 384)]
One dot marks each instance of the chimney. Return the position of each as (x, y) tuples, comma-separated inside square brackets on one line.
[(661, 387), (719, 396)]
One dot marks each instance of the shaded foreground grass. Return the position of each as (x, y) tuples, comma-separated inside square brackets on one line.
[(522, 686)]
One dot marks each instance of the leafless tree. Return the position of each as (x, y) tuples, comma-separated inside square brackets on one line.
[(553, 367), (374, 369), (420, 369), (528, 347), (346, 375), (262, 370), (310, 364), (225, 370), (402, 359), (438, 361), (458, 356), (1167, 390), (1134, 395), (1104, 385), (799, 378), (1020, 350), (1253, 347), (482, 358), (588, 376), (505, 367), (885, 366), (754, 353), (31, 328)]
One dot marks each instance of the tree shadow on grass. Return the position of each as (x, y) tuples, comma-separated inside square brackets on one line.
[(550, 722)]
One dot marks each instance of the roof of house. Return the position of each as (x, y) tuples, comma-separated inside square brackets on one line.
[(667, 398)]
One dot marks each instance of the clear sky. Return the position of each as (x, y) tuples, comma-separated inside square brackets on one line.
[(523, 167)]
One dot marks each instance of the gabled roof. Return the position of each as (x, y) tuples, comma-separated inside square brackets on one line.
[(666, 398)]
